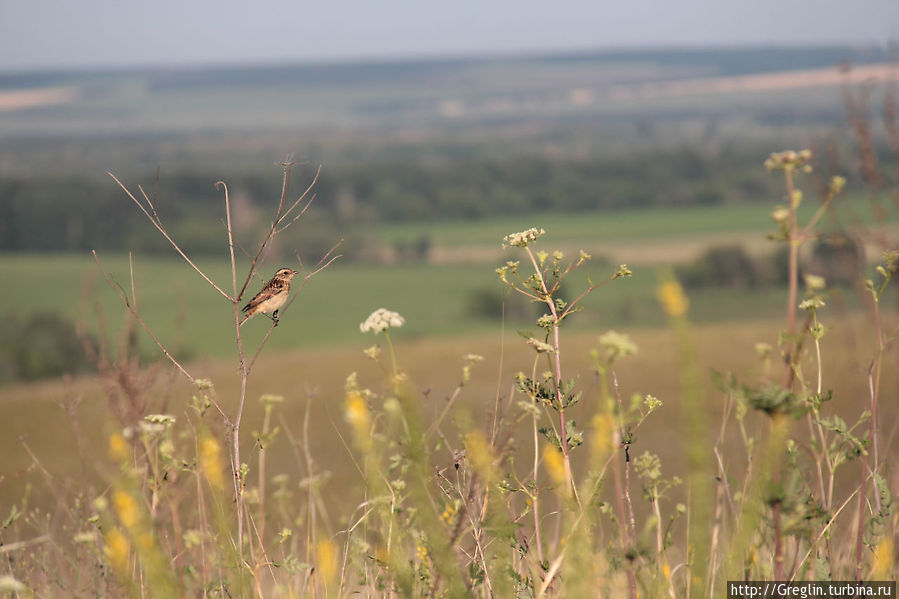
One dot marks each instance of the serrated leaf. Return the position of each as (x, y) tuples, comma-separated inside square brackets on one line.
[(551, 435), (568, 386), (572, 400)]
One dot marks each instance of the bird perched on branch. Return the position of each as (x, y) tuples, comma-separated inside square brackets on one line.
[(272, 297)]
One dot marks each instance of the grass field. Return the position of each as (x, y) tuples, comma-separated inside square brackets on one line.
[(629, 229), (71, 447), (436, 299), (35, 413)]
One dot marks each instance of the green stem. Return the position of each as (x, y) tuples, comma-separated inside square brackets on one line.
[(392, 354)]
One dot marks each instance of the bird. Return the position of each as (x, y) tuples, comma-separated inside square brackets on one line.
[(272, 297)]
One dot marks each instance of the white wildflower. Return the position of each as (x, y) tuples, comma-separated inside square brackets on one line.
[(540, 346), (814, 282), (151, 428), (780, 214), (160, 418), (812, 304), (380, 320), (618, 345), (523, 238)]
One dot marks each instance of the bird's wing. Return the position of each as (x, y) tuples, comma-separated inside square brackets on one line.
[(271, 288)]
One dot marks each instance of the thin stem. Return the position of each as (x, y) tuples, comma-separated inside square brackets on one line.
[(557, 374), (392, 354), (154, 218), (793, 280), (535, 499), (280, 215), (632, 525)]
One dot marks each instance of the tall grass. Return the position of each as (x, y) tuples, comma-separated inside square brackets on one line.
[(545, 492)]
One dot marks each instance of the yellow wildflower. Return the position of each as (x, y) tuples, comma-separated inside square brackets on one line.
[(884, 560), (552, 461), (480, 455), (117, 550), (674, 301), (118, 448), (210, 462), (357, 414), (326, 558), (126, 508)]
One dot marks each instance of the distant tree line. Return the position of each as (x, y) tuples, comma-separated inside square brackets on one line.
[(81, 212)]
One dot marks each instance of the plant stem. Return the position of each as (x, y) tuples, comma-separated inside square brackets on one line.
[(536, 505), (793, 280), (557, 374), (392, 353)]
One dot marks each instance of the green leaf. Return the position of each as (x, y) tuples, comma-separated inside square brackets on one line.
[(551, 435)]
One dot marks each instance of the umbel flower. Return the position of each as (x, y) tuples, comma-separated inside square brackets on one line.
[(523, 238), (380, 320)]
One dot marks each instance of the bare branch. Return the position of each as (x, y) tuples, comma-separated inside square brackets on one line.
[(298, 216), (131, 308), (279, 217), (154, 218), (131, 305), (301, 198), (230, 239)]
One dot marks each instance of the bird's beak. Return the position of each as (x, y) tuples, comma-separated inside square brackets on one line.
[(296, 272)]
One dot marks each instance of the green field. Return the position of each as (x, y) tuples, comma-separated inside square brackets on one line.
[(436, 299), (632, 227)]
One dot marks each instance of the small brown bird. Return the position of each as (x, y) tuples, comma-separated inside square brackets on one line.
[(272, 297)]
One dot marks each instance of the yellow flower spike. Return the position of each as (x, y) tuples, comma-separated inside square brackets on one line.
[(126, 509), (603, 436), (673, 299), (480, 455), (884, 560), (119, 449), (326, 560), (552, 462), (357, 414), (145, 541), (118, 550), (211, 463)]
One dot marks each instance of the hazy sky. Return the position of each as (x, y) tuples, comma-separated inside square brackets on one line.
[(88, 33)]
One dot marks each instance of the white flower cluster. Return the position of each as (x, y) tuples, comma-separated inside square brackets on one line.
[(523, 238), (618, 345), (380, 320), (540, 346)]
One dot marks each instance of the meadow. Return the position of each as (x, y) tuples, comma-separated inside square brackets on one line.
[(439, 295), (415, 467), (487, 439)]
